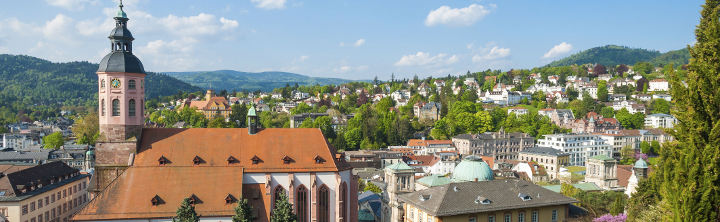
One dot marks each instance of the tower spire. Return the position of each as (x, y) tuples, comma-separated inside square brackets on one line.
[(121, 13)]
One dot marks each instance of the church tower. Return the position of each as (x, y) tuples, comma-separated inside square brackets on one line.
[(121, 98)]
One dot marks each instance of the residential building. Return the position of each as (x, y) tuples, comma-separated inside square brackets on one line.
[(504, 97), (617, 97), (560, 117), (656, 134), (619, 139), (642, 97), (495, 200), (666, 97), (660, 120), (551, 159), (499, 145), (144, 174), (25, 157), (594, 122), (601, 170), (534, 171), (631, 106), (400, 179), (518, 111), (428, 147), (656, 85), (427, 111), (579, 146), (48, 192)]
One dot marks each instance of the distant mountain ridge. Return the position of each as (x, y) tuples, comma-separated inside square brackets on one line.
[(33, 80), (250, 81), (612, 55)]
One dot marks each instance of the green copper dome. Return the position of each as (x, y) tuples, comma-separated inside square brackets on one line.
[(640, 163), (121, 13), (472, 168)]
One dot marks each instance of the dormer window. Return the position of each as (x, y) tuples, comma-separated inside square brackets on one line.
[(524, 197), (256, 160), (197, 160), (482, 200), (163, 160), (230, 199), (319, 160), (287, 160), (156, 200), (232, 160), (193, 199)]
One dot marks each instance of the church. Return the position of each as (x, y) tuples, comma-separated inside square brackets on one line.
[(143, 174)]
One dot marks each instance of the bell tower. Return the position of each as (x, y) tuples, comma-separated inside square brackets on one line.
[(121, 99)]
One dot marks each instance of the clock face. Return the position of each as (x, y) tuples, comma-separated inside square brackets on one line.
[(115, 83)]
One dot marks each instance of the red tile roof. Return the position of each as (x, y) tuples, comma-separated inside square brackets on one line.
[(421, 142), (130, 195)]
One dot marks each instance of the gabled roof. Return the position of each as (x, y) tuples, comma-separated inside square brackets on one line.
[(460, 198), (130, 195), (421, 142)]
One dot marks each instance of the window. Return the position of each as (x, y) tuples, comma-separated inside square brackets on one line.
[(52, 198), (521, 217), (102, 109), (40, 203), (40, 218), (279, 190), (64, 208), (229, 199), (197, 160), (302, 204), (32, 206), (324, 204), (343, 206), (156, 200), (47, 215), (47, 200), (554, 216), (116, 107), (32, 219), (24, 209), (162, 160), (64, 193), (131, 84), (131, 107), (508, 218), (232, 160), (52, 213), (534, 216), (256, 160), (472, 219), (491, 218)]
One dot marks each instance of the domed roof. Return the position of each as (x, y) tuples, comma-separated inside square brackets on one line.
[(640, 163), (121, 32), (472, 168), (119, 61)]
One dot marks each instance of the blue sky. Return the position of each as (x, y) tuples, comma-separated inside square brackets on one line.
[(342, 38)]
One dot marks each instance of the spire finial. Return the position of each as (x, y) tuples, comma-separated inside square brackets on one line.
[(121, 13)]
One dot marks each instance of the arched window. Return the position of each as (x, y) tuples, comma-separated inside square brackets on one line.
[(343, 205), (102, 107), (279, 190), (102, 84), (302, 204), (116, 107), (323, 204), (131, 107), (131, 84)]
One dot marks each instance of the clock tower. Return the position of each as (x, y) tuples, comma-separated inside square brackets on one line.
[(121, 99)]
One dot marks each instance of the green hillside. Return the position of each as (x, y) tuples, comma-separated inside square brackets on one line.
[(235, 80), (30, 85), (609, 55), (677, 57)]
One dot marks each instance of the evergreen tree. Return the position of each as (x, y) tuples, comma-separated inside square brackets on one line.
[(186, 212), (602, 91), (238, 116), (690, 166), (283, 211), (243, 212)]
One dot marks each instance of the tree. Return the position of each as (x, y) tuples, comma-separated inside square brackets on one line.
[(372, 187), (238, 116), (283, 211), (622, 68), (602, 91), (217, 122), (630, 121), (660, 106), (53, 141), (655, 147), (607, 112), (645, 147), (599, 69), (643, 67), (243, 212), (186, 212), (86, 129)]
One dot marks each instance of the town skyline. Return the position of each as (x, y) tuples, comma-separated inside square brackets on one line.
[(356, 41)]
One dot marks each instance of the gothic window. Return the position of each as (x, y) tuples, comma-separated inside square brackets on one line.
[(116, 107), (131, 107), (102, 107), (302, 204), (279, 190), (342, 198), (323, 204), (131, 84)]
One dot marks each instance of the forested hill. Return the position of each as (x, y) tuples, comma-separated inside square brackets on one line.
[(612, 55), (265, 81), (27, 82)]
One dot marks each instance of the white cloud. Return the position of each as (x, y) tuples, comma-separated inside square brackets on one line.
[(347, 69), (359, 42), (425, 59), (269, 4), (71, 4), (228, 23), (493, 53), (557, 50), (456, 16), (175, 55), (58, 28)]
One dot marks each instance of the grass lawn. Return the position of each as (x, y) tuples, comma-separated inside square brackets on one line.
[(574, 169), (574, 176)]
